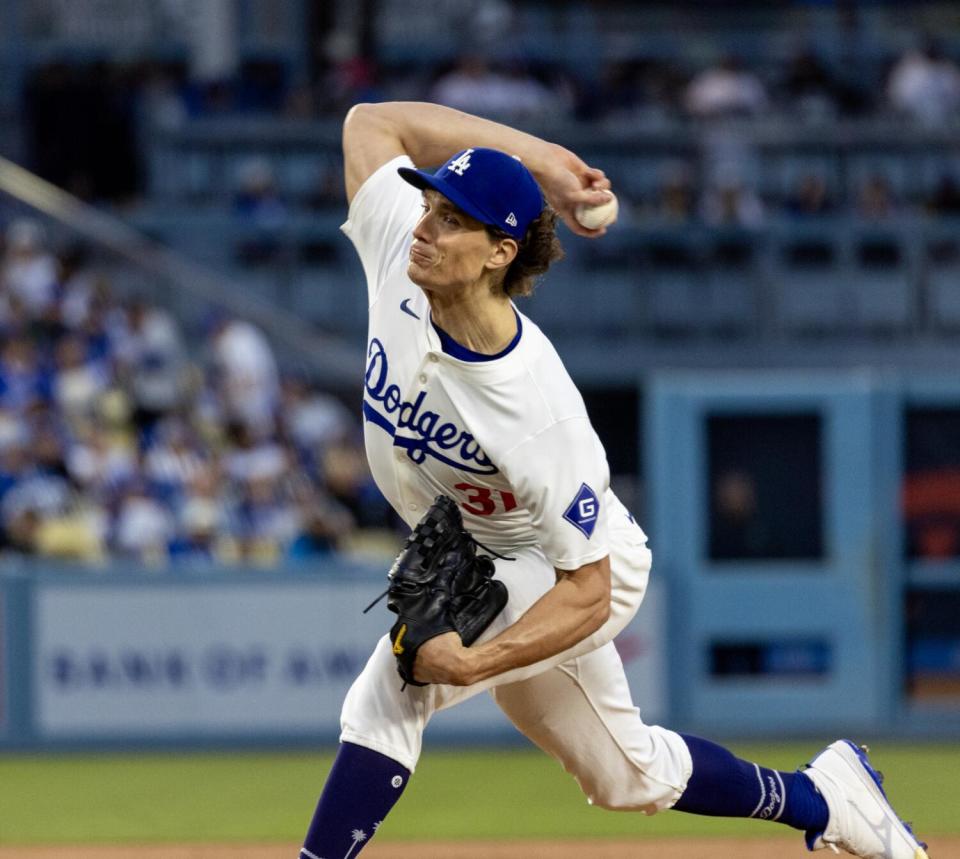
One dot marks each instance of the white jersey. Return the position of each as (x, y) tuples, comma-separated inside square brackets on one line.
[(507, 437)]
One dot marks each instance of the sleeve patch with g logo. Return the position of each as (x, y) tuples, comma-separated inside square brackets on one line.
[(583, 511)]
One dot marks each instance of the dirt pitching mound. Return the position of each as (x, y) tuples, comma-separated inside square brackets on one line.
[(672, 848)]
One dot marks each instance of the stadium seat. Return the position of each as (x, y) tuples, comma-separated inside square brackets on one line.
[(674, 286), (895, 169), (941, 265), (560, 302), (266, 286), (732, 307), (881, 282), (943, 297), (732, 283), (299, 175), (199, 176), (812, 301), (809, 278), (614, 302), (328, 298), (675, 302), (782, 172)]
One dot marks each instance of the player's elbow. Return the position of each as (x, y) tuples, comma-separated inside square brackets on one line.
[(359, 112), (594, 585), (358, 118), (600, 613), (370, 139), (602, 594), (365, 117), (603, 612)]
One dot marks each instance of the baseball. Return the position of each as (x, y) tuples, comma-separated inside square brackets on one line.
[(595, 217)]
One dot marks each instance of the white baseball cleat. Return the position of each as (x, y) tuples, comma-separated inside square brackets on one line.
[(862, 821)]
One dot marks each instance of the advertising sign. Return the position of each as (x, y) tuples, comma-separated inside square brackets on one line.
[(226, 660), (179, 659)]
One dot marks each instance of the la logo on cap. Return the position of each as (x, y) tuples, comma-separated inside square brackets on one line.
[(498, 190), (461, 163)]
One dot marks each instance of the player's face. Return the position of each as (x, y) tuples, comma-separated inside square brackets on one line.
[(450, 249)]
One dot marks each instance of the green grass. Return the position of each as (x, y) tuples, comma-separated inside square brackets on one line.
[(460, 794)]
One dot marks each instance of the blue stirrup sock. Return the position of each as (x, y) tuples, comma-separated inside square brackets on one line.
[(362, 787), (723, 785)]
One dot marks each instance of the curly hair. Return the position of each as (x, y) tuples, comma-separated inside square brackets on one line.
[(538, 250)]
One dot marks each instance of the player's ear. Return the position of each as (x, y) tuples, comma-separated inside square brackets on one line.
[(503, 251)]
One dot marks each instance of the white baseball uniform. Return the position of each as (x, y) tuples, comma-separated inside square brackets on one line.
[(509, 439)]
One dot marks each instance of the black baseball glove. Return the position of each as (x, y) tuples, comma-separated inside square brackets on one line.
[(440, 584)]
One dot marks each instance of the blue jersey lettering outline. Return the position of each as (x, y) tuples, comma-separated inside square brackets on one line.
[(434, 437)]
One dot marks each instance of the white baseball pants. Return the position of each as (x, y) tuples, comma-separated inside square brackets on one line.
[(576, 706)]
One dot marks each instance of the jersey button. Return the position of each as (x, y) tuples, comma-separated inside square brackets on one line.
[(423, 378), (398, 453), (434, 358), (413, 507)]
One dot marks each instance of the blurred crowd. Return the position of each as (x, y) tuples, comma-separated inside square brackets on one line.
[(716, 186), (118, 441), (922, 84), (119, 438), (107, 107), (727, 198)]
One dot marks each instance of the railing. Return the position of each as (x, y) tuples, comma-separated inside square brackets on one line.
[(838, 278), (199, 161), (182, 282)]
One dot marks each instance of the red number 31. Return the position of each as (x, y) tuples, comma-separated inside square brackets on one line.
[(482, 501)]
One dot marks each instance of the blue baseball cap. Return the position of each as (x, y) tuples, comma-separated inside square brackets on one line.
[(489, 185)]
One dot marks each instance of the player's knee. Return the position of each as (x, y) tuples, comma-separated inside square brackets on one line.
[(603, 797), (603, 792), (626, 789)]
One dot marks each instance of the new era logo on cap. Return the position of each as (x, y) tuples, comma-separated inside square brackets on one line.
[(487, 184), (583, 511)]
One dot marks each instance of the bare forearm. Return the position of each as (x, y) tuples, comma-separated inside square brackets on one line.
[(561, 618), (431, 133)]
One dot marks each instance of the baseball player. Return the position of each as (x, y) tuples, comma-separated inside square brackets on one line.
[(465, 397)]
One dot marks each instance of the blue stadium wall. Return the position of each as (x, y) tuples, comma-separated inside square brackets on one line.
[(819, 644)]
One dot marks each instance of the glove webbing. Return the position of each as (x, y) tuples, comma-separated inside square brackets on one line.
[(474, 540)]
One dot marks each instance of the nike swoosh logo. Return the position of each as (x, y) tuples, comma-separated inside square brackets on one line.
[(406, 309)]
